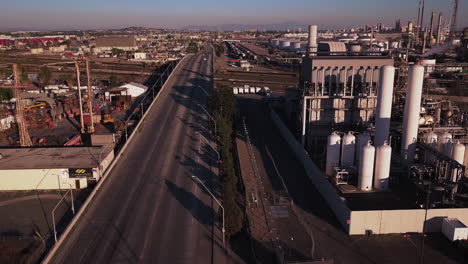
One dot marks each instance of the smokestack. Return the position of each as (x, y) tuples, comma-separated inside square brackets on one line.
[(439, 29), (411, 112), (312, 49), (431, 27), (384, 104)]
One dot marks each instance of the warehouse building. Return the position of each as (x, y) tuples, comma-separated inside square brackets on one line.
[(52, 168), (126, 43)]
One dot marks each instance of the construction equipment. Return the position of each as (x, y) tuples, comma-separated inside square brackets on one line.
[(80, 102), (107, 118), (34, 106), (90, 98), (25, 139)]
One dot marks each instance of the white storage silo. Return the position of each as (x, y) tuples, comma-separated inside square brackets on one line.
[(366, 168), (274, 42), (411, 112), (355, 48), (235, 90), (295, 46), (333, 153), (349, 150), (444, 143), (383, 158), (383, 113), (284, 44), (458, 154), (430, 139), (362, 140)]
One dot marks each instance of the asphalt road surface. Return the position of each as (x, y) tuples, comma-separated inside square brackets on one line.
[(150, 210)]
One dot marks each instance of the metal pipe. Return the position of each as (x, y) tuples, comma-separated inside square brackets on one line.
[(352, 81), (323, 80)]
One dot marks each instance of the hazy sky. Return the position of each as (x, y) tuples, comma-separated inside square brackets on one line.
[(91, 14)]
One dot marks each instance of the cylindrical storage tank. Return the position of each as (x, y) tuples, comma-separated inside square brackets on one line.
[(411, 112), (430, 139), (384, 104), (284, 44), (366, 168), (274, 42), (333, 153), (458, 154), (355, 48), (362, 140), (349, 148), (383, 158), (394, 45), (295, 45), (444, 143)]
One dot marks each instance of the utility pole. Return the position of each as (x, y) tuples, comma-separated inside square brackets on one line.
[(90, 98), (80, 103), (25, 139)]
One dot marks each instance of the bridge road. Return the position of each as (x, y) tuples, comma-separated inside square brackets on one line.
[(150, 210)]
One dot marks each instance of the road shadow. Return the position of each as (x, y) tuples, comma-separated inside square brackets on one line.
[(198, 209)]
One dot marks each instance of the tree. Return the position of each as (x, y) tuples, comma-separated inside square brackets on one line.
[(117, 52), (6, 94), (44, 76), (193, 47), (219, 50)]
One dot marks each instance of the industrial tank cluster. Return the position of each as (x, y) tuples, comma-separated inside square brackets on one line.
[(289, 44), (373, 158)]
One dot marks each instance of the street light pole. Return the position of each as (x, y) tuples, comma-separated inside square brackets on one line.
[(207, 142), (208, 190), (208, 116)]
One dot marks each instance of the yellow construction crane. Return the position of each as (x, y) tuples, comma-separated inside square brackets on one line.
[(25, 139)]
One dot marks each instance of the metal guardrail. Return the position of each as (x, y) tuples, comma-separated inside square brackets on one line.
[(149, 93)]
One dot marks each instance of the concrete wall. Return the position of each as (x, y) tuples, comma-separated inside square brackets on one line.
[(316, 176), (40, 179), (403, 221)]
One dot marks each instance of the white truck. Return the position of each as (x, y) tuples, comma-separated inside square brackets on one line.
[(454, 229)]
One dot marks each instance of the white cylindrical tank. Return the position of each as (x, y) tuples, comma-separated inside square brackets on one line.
[(383, 157), (284, 44), (349, 148), (366, 168), (444, 143), (458, 154), (235, 90), (333, 153), (275, 42), (355, 48), (362, 140), (430, 139), (295, 46), (411, 112), (383, 113)]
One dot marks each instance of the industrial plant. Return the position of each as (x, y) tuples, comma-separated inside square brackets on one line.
[(396, 159)]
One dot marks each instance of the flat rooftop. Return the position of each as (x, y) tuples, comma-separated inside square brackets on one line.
[(52, 158)]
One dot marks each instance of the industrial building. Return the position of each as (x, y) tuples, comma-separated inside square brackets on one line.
[(379, 173), (105, 43), (52, 168)]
